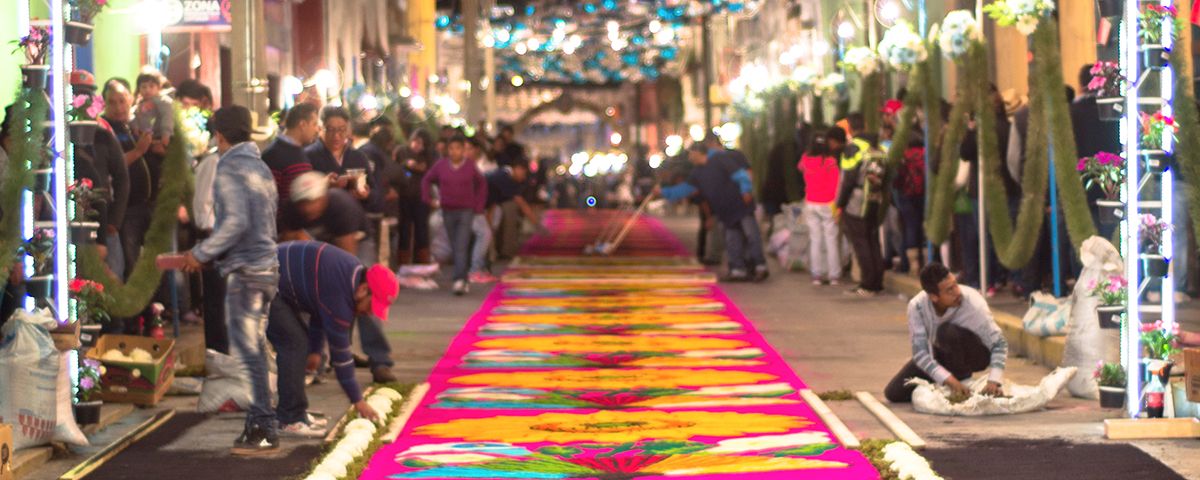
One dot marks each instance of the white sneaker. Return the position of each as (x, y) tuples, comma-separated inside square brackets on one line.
[(316, 419), (460, 287), (302, 430)]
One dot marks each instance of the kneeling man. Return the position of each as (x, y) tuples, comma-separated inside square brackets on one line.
[(953, 335)]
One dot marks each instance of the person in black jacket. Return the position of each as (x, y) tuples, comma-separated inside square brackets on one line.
[(405, 178)]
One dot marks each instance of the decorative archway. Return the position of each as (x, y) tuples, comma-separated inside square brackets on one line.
[(565, 103)]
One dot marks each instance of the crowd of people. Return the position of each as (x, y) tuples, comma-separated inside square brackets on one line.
[(854, 203), (283, 245)]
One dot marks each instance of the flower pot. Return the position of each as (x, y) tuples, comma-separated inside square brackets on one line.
[(83, 232), (1155, 56), (1110, 8), (78, 33), (1111, 109), (89, 334), (1158, 161), (41, 179), (1155, 265), (1112, 397), (40, 286), (83, 132), (1110, 315), (88, 413), (1111, 211), (34, 76)]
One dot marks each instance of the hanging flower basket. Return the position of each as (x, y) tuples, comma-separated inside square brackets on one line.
[(34, 76), (78, 33), (88, 413), (1111, 108), (1158, 161), (41, 179), (1111, 211), (84, 232), (1110, 316), (1112, 397), (1155, 56), (1155, 265), (40, 286), (83, 132)]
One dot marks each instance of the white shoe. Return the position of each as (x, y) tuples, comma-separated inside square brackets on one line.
[(316, 420), (302, 430), (460, 287)]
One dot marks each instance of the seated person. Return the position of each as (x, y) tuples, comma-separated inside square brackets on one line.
[(953, 335)]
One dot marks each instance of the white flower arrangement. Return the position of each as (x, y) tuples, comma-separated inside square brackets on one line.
[(959, 30), (357, 437), (907, 463), (1023, 14), (861, 60), (829, 83), (804, 76), (901, 47)]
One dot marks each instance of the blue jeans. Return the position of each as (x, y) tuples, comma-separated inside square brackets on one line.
[(248, 298), (743, 244), (483, 241), (458, 229)]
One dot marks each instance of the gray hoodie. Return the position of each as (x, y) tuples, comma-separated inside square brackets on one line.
[(244, 202)]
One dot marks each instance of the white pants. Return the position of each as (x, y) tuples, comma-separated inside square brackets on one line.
[(824, 258)]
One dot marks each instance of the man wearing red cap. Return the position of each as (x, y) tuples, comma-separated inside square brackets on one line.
[(332, 288)]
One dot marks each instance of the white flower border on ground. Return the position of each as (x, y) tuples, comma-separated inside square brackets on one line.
[(907, 463), (358, 436)]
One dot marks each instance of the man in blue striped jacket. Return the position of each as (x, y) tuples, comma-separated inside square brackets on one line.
[(330, 288), (953, 335)]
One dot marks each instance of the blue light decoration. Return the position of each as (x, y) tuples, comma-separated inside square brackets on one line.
[(591, 200), (550, 54)]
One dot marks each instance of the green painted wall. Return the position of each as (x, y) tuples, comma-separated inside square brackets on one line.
[(116, 43)]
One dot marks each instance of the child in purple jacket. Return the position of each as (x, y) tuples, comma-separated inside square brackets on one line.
[(462, 194)]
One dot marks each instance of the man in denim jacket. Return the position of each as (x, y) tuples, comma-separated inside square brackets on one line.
[(243, 247)]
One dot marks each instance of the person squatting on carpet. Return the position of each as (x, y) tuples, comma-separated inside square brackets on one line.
[(965, 338), (723, 180), (243, 246), (333, 289)]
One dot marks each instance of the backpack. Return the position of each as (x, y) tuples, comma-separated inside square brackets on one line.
[(911, 180)]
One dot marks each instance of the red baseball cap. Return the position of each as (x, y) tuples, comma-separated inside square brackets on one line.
[(82, 79), (384, 289)]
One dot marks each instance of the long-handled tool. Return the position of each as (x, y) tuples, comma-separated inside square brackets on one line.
[(610, 247), (610, 229)]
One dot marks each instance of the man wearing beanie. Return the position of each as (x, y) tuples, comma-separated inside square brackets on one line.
[(242, 245)]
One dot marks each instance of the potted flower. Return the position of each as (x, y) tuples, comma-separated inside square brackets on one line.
[(36, 47), (1159, 345), (40, 247), (87, 411), (1150, 29), (1112, 294), (1153, 231), (1157, 131), (156, 321), (79, 31), (1111, 378), (959, 31), (1108, 85), (1105, 171), (86, 199), (85, 109), (92, 303)]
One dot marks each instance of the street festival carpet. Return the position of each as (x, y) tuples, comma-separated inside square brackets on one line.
[(635, 367)]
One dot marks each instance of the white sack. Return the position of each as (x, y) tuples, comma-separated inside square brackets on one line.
[(1087, 345), (1047, 315), (224, 390), (932, 398), (31, 397)]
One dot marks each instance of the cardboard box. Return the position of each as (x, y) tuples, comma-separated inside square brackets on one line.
[(1191, 367), (6, 452), (130, 382)]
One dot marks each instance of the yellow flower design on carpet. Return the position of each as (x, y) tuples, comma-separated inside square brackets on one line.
[(610, 343), (628, 301), (614, 378), (677, 465), (611, 426), (610, 318)]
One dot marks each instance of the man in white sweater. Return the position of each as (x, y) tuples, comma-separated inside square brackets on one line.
[(953, 335)]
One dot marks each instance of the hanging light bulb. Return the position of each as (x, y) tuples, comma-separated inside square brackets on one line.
[(889, 12), (521, 49), (517, 81), (845, 30)]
